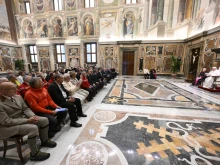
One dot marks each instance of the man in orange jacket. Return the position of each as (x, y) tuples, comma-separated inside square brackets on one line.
[(41, 104)]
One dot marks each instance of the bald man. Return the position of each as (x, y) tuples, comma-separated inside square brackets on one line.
[(3, 79), (17, 119)]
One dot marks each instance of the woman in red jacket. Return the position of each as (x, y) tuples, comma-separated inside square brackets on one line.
[(86, 86), (41, 104)]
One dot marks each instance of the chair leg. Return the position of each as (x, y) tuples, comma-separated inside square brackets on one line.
[(18, 144), (5, 147)]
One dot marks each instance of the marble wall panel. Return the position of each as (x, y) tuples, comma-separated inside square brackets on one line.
[(8, 55), (170, 50), (208, 60), (211, 43), (5, 33), (167, 64)]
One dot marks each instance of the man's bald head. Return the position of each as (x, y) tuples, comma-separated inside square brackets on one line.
[(8, 89), (3, 79)]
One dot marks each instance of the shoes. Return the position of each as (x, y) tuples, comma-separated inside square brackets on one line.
[(82, 115), (56, 129), (51, 134), (75, 124), (40, 156), (49, 144)]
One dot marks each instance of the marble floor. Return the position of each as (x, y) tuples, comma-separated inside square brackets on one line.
[(141, 122)]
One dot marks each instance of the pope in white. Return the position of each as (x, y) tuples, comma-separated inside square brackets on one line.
[(210, 79)]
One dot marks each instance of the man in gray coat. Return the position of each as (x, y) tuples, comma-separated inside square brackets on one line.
[(17, 119)]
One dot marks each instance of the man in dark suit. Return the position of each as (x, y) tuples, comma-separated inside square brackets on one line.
[(61, 97)]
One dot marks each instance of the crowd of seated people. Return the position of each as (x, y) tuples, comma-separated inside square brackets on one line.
[(207, 79), (150, 74), (31, 105)]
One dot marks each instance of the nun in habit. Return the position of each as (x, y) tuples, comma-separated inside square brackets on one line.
[(210, 79)]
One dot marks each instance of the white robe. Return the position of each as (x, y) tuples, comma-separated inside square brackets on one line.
[(209, 80)]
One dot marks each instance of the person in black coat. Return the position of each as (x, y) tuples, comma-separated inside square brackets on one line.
[(202, 76), (153, 74), (61, 97)]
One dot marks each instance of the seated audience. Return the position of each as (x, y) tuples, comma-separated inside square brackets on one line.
[(208, 83), (23, 88), (61, 97), (96, 79), (86, 86), (146, 73), (45, 83), (41, 104), (47, 78), (200, 78), (92, 81), (75, 81), (17, 119), (3, 79), (44, 72), (13, 79), (153, 74), (72, 89), (51, 78), (21, 76)]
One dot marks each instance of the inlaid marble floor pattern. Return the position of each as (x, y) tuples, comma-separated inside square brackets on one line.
[(159, 93), (134, 121)]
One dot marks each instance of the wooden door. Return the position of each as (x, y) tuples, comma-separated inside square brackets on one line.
[(128, 63)]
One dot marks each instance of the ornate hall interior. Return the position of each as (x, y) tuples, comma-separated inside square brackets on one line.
[(133, 120)]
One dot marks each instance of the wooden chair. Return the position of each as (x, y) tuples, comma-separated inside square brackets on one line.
[(18, 139)]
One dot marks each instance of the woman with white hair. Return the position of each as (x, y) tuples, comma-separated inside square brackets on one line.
[(75, 81), (72, 89)]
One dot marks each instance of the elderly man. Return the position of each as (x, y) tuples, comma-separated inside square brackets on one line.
[(41, 104), (17, 119), (3, 79), (210, 79), (61, 97), (23, 88)]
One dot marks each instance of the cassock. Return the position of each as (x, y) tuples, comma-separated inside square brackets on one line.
[(209, 80)]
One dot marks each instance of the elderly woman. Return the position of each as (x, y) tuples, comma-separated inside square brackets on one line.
[(75, 81), (72, 89)]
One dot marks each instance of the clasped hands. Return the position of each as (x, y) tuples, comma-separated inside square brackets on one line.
[(33, 120), (71, 99)]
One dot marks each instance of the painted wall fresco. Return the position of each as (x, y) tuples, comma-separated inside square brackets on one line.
[(121, 22), (39, 5), (107, 28), (28, 29), (8, 55), (57, 27), (129, 20), (88, 25), (70, 4), (72, 26), (5, 33), (42, 28), (73, 56)]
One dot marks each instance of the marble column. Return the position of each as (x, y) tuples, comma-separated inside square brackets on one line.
[(153, 12), (24, 56), (147, 13), (160, 10), (170, 14), (182, 4), (188, 10), (195, 5), (52, 61)]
